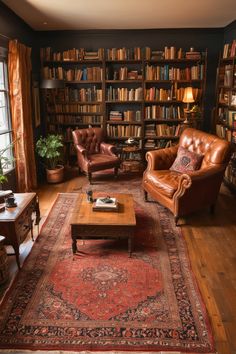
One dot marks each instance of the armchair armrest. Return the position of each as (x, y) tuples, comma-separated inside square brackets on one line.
[(108, 149), (161, 159), (202, 182), (206, 173), (81, 150)]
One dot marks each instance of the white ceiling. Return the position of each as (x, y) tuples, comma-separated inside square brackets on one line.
[(123, 14)]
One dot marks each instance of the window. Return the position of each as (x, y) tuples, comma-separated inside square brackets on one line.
[(5, 119)]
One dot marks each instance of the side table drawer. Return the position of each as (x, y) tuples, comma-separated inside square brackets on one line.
[(23, 224)]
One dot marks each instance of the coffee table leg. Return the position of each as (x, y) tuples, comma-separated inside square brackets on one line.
[(74, 245), (130, 245)]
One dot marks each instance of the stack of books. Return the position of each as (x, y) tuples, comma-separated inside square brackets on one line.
[(105, 204), (193, 55), (115, 115)]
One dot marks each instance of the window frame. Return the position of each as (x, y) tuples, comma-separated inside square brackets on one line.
[(5, 90)]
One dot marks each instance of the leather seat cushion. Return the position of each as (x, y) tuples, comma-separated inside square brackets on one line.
[(102, 161), (164, 181)]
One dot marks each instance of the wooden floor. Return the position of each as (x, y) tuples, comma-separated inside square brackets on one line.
[(211, 241)]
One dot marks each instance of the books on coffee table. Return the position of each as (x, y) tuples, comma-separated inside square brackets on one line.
[(105, 204)]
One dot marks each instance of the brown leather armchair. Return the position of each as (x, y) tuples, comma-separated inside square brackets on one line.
[(93, 154), (184, 193)]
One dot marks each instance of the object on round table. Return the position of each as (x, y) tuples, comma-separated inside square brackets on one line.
[(131, 141), (4, 194)]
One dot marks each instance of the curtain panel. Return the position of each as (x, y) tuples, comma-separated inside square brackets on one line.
[(19, 67)]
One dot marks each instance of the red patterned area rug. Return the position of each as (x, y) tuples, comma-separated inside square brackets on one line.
[(103, 300)]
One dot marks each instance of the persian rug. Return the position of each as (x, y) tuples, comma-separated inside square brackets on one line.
[(100, 299)]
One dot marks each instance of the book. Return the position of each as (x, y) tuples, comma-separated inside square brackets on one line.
[(105, 204)]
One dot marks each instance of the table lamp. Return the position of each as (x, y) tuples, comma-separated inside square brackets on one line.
[(188, 98)]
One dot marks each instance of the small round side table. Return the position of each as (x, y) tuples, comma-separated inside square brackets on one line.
[(131, 159)]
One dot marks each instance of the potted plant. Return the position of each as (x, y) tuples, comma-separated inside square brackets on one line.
[(5, 161), (50, 148)]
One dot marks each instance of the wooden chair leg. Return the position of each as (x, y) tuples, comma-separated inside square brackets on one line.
[(145, 196), (116, 172), (212, 209), (176, 220), (89, 175)]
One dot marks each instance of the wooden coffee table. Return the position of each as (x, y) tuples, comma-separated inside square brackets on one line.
[(89, 224)]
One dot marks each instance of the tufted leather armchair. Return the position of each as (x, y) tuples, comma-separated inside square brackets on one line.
[(184, 193), (92, 153)]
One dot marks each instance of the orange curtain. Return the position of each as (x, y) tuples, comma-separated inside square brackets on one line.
[(19, 67)]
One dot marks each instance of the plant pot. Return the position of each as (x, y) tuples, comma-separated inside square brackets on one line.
[(55, 176)]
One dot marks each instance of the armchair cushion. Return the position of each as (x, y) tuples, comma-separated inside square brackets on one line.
[(164, 181), (186, 161)]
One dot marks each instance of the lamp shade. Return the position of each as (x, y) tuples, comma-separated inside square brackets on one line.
[(188, 95), (52, 84)]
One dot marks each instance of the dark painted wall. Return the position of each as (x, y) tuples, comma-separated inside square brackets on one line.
[(230, 32), (13, 27)]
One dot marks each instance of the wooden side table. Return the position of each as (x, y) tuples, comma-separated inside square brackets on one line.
[(131, 159), (4, 270), (16, 222)]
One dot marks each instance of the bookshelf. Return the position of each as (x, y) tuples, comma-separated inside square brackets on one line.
[(134, 92), (166, 75), (225, 109), (80, 103), (124, 95)]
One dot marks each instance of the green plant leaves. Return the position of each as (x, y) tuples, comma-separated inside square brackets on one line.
[(49, 148)]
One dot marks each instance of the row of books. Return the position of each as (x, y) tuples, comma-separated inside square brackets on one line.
[(69, 119), (164, 112), (90, 94), (151, 73), (124, 53), (225, 75), (225, 133), (229, 50), (72, 108), (128, 116), (124, 94), (227, 97), (47, 54), (195, 72), (84, 74), (156, 94), (136, 53), (71, 95), (231, 119), (123, 73), (230, 172), (171, 53), (153, 130), (158, 144), (123, 130)]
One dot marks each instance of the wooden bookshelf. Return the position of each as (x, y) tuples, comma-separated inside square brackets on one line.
[(126, 91), (224, 118)]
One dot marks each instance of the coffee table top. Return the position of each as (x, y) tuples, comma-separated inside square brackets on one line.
[(84, 214)]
